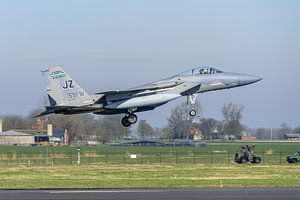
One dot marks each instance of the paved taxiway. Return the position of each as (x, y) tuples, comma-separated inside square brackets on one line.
[(147, 194)]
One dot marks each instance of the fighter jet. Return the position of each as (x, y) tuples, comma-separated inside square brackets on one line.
[(67, 97)]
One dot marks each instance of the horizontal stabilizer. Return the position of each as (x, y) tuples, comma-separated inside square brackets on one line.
[(47, 112)]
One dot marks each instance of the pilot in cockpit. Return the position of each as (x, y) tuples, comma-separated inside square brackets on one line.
[(207, 71)]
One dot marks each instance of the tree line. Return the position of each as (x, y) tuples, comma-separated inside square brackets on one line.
[(180, 125)]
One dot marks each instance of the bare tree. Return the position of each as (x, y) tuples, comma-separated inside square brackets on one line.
[(181, 122), (208, 127), (232, 114), (284, 129), (167, 133), (14, 122), (262, 134), (144, 129), (157, 132), (112, 127)]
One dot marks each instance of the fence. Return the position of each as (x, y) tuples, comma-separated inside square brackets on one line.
[(163, 158)]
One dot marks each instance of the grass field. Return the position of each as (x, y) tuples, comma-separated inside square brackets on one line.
[(150, 176), (214, 153), (212, 147), (154, 167)]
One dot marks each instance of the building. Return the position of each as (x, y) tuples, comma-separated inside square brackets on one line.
[(60, 137), (16, 138), (248, 138), (39, 125), (197, 134), (292, 136), (35, 136), (53, 137)]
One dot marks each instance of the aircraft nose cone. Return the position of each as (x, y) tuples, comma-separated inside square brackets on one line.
[(248, 79)]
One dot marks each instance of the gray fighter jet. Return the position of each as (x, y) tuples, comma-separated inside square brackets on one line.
[(67, 97)]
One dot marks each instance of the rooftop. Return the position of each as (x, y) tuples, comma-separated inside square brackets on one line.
[(13, 133)]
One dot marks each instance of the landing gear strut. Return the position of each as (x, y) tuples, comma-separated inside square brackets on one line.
[(129, 120), (191, 100)]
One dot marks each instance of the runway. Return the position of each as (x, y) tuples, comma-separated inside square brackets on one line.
[(153, 194)]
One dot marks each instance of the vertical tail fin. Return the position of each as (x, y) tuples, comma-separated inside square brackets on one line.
[(64, 91)]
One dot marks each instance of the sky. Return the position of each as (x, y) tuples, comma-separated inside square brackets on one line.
[(107, 45)]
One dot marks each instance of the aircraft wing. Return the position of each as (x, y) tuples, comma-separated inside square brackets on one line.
[(191, 90), (61, 107), (150, 89)]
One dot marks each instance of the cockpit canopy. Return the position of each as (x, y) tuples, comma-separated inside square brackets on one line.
[(200, 71)]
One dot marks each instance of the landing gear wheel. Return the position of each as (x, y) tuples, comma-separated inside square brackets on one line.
[(125, 122), (193, 113), (132, 118)]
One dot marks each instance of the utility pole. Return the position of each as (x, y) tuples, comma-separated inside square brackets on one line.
[(78, 155), (271, 134)]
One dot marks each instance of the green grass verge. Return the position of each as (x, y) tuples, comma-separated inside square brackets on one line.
[(150, 176), (228, 147), (214, 153)]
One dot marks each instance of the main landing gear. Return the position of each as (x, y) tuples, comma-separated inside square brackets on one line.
[(191, 100), (128, 120)]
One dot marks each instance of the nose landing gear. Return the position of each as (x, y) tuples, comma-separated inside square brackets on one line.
[(193, 113), (191, 100), (129, 120)]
